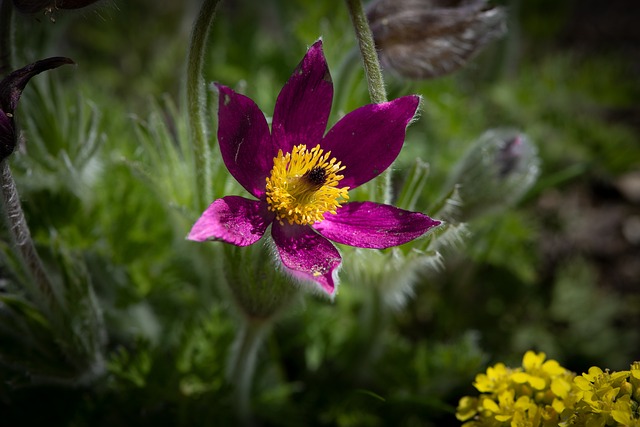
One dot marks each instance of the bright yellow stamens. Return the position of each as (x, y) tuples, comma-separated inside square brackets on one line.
[(303, 185)]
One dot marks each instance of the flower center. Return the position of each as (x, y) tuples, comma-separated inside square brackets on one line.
[(303, 185)]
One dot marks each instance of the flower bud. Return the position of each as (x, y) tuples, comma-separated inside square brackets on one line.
[(495, 172), (421, 39), (625, 388), (34, 6), (11, 88), (259, 291)]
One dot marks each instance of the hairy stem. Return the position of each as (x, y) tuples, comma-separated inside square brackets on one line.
[(373, 323), (196, 101), (372, 69), (375, 82), (21, 236), (11, 206), (242, 364)]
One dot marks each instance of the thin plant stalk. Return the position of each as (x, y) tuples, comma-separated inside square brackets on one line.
[(71, 335), (11, 207), (370, 61), (373, 318), (375, 81), (21, 236), (250, 335), (242, 364), (196, 102)]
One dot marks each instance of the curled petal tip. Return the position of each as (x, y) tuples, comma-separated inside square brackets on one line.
[(11, 87), (43, 65), (56, 61)]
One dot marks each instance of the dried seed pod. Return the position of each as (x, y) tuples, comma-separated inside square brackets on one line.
[(421, 39)]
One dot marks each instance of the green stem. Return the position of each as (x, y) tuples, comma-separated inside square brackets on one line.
[(375, 82), (21, 236), (372, 69), (373, 322), (10, 200), (71, 341), (196, 101), (242, 364), (6, 9)]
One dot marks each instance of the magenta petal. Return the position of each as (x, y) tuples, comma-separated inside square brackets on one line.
[(245, 141), (306, 255), (303, 106), (372, 225), (232, 219), (369, 139)]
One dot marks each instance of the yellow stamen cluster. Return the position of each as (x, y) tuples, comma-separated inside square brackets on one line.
[(303, 185)]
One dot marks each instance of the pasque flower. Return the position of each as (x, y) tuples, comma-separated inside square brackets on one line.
[(11, 88), (300, 176)]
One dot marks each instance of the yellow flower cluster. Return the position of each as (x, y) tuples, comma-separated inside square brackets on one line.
[(608, 398), (543, 394)]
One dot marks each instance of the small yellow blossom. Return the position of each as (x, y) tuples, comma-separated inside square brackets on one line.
[(542, 393), (467, 408), (608, 398), (495, 380)]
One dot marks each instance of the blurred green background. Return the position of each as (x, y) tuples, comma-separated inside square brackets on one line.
[(103, 179)]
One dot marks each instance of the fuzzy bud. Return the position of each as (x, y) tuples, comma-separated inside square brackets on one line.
[(260, 292), (421, 39), (495, 172)]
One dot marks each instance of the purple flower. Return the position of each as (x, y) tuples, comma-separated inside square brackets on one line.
[(11, 88), (301, 177)]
